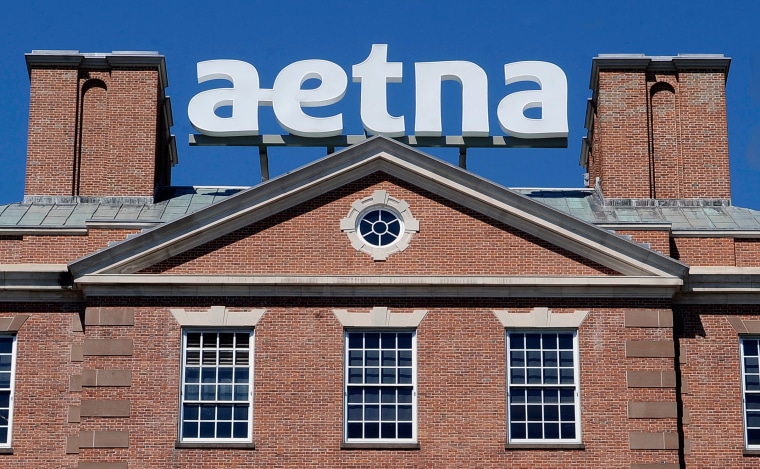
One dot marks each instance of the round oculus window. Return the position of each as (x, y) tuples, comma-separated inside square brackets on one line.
[(380, 227)]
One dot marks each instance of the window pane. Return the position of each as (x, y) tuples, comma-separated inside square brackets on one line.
[(405, 413), (405, 340), (372, 430), (551, 430), (372, 358), (355, 340), (240, 430), (371, 340), (224, 430), (542, 386), (372, 395), (5, 362), (225, 393), (355, 358), (193, 339), (223, 376), (750, 365), (405, 395), (535, 431), (405, 376), (242, 340), (388, 430), (388, 340), (750, 347), (516, 341), (354, 430), (224, 412), (226, 340), (190, 430), (379, 392), (404, 430), (568, 430), (517, 412), (388, 413), (355, 412), (517, 359), (549, 341), (517, 431)]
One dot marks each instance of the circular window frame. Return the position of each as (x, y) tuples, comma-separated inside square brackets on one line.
[(379, 200)]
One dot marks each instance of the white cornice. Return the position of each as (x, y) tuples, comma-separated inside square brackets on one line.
[(715, 234), (377, 286)]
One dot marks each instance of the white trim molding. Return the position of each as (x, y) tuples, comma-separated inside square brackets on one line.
[(540, 317), (380, 316), (218, 316), (379, 199)]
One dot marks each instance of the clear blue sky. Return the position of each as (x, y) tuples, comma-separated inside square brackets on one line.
[(271, 35)]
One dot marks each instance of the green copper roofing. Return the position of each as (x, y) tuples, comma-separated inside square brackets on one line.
[(584, 204)]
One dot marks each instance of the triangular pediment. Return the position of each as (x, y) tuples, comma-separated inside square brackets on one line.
[(381, 167)]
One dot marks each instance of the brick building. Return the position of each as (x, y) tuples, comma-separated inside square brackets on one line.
[(378, 307)]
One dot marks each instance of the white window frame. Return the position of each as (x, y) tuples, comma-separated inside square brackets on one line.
[(512, 389), (10, 390), (380, 385), (754, 376), (185, 399)]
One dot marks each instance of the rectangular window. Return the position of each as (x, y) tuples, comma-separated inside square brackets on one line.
[(7, 377), (542, 386), (217, 386), (750, 352), (380, 394)]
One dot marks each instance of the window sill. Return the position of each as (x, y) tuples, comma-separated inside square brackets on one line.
[(392, 446), (6, 450), (180, 445), (545, 446), (751, 452)]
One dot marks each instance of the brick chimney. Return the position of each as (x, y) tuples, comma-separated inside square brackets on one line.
[(98, 126), (657, 127)]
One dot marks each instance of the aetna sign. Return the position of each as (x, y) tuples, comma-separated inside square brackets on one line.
[(288, 98)]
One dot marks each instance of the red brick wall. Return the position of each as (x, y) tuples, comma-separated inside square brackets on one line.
[(685, 152), (307, 240), (113, 152), (704, 251), (52, 117), (704, 134), (747, 252), (658, 240), (42, 397), (299, 381), (56, 249), (711, 371), (620, 148)]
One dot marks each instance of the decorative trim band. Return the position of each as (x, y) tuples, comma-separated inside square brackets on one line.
[(379, 317), (541, 317), (218, 316)]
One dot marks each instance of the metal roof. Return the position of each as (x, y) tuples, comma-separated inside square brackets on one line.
[(178, 202), (585, 204)]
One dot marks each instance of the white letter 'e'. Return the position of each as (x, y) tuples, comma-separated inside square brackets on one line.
[(289, 98), (551, 98)]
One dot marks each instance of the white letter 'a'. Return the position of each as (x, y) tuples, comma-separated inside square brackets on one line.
[(243, 97), (551, 98), (428, 78)]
